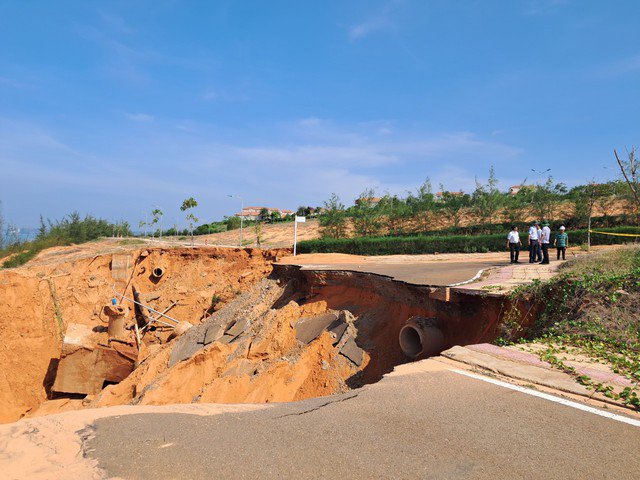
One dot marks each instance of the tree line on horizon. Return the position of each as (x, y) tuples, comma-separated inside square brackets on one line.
[(486, 206)]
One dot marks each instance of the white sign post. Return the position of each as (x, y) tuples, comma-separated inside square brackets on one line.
[(295, 232)]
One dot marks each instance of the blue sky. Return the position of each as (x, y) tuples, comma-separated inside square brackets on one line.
[(112, 107)]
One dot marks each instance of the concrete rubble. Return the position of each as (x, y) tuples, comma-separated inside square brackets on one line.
[(85, 366)]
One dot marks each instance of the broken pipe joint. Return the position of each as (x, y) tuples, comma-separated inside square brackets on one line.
[(421, 337), (158, 272)]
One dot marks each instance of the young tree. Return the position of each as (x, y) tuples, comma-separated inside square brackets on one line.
[(396, 211), (264, 214), (275, 216), (546, 198), (608, 196), (257, 230), (12, 236), (365, 215), (157, 214), (516, 206), (487, 199), (186, 206), (232, 222), (303, 211), (453, 204), (585, 200), (42, 229), (142, 224), (332, 219), (422, 204), (630, 172)]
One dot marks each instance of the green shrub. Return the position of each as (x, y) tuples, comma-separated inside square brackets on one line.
[(71, 229), (445, 244)]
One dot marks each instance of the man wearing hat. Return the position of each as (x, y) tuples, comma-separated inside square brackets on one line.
[(561, 242), (546, 237), (533, 242)]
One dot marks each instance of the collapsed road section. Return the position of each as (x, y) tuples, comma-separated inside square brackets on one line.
[(230, 326)]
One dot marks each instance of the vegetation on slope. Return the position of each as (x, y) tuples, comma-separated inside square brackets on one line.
[(71, 229), (592, 308), (434, 243)]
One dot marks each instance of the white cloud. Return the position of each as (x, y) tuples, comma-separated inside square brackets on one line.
[(139, 117), (380, 20), (210, 95), (542, 7), (290, 165), (309, 122), (367, 27), (623, 66)]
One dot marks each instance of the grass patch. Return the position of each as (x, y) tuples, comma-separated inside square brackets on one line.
[(131, 241)]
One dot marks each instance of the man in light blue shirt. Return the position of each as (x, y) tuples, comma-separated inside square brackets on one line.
[(533, 242)]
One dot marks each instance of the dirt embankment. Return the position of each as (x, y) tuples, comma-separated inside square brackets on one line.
[(281, 234), (41, 299)]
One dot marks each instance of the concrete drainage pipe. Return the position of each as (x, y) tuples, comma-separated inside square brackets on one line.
[(158, 272), (421, 337)]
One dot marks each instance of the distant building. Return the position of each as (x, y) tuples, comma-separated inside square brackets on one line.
[(440, 195), (253, 213)]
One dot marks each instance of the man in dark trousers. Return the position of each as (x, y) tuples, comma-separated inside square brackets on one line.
[(562, 242), (533, 242), (544, 241), (514, 244)]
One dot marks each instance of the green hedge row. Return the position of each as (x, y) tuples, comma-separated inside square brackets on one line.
[(446, 244)]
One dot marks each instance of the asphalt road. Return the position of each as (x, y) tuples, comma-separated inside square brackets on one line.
[(420, 426), (424, 273)]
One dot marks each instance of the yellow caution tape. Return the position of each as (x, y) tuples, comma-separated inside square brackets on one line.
[(616, 234)]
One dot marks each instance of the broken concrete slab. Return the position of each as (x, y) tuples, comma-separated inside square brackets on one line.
[(310, 328), (336, 330), (243, 344), (214, 332), (238, 327), (226, 339), (84, 366), (120, 265), (352, 351), (183, 351)]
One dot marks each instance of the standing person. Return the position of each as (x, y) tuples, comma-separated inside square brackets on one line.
[(544, 240), (561, 242), (533, 242), (514, 244), (539, 251)]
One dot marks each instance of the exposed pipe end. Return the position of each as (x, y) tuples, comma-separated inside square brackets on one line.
[(421, 337), (158, 272)]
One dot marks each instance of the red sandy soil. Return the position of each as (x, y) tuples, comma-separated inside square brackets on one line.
[(81, 281)]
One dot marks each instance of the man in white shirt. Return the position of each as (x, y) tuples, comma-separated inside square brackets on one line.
[(546, 237), (533, 242), (514, 244)]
